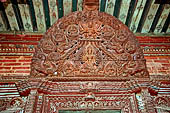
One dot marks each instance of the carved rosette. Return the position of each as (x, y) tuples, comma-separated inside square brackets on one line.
[(89, 44)]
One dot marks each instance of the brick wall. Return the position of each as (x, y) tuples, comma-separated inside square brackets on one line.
[(158, 65), (15, 66), (20, 65), (15, 55)]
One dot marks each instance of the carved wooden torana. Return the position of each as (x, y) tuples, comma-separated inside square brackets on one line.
[(87, 61), (89, 44)]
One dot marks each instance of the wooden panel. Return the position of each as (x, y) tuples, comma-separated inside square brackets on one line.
[(60, 8), (67, 6), (53, 8), (26, 18), (110, 4), (137, 15), (99, 4), (79, 5), (162, 18), (74, 5), (2, 24), (11, 17), (39, 14), (150, 17), (168, 30), (47, 13), (124, 10)]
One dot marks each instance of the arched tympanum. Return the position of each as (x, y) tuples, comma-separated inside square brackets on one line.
[(89, 44)]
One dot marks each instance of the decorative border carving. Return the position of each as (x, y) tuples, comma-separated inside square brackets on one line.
[(126, 103), (148, 51)]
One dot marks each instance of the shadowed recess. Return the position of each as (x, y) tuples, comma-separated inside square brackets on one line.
[(60, 8), (102, 5), (17, 14), (157, 16), (130, 12), (144, 15), (46, 11), (32, 11), (166, 25), (4, 16), (74, 5), (117, 8)]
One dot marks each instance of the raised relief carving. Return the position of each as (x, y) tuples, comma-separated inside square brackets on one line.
[(90, 102), (12, 105), (89, 44), (162, 104)]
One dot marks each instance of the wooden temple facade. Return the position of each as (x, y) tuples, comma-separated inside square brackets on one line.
[(87, 62)]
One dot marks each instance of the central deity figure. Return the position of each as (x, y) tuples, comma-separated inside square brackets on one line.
[(89, 58)]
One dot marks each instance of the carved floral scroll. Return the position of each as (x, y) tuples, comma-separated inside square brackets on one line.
[(89, 44)]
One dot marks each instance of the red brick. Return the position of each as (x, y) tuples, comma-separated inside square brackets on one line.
[(164, 57), (30, 57), (12, 64), (7, 71), (22, 71), (36, 35), (2, 35), (24, 60), (30, 39), (12, 57), (151, 57), (27, 63), (7, 60), (161, 61), (153, 39), (2, 57), (23, 42), (149, 60), (166, 65), (21, 68), (13, 38), (5, 67), (39, 38)]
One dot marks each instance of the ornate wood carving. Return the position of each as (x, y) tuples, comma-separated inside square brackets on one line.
[(162, 103), (125, 103), (89, 44), (12, 105)]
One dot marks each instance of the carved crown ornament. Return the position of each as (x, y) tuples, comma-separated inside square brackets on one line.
[(89, 45)]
